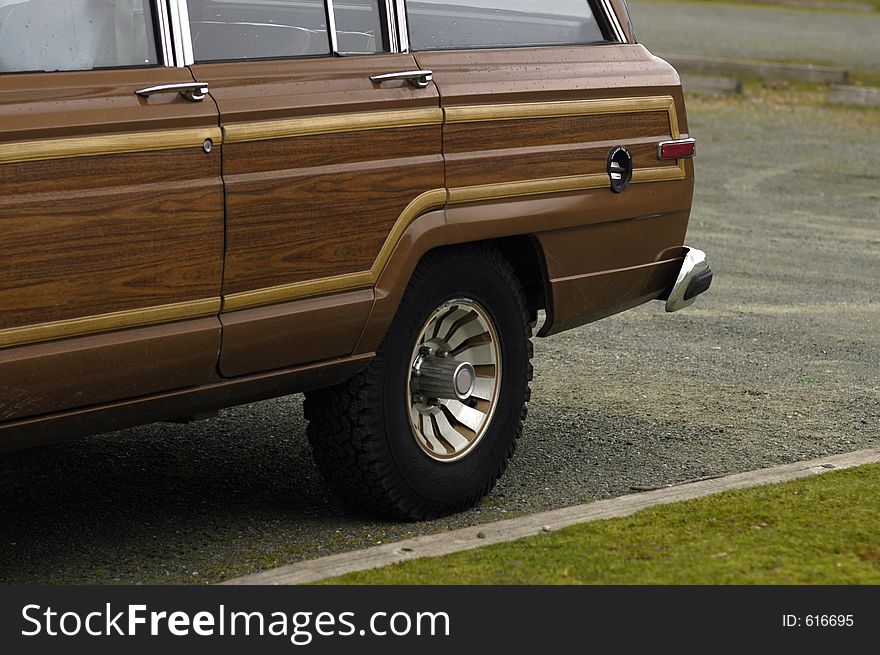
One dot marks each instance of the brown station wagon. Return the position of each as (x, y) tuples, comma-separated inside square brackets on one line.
[(212, 202)]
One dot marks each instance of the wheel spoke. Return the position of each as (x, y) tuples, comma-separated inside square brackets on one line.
[(484, 389), (444, 325), (469, 417), (415, 415), (427, 428), (466, 331), (482, 354), (449, 434)]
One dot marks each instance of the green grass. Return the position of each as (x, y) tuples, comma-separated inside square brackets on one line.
[(821, 530)]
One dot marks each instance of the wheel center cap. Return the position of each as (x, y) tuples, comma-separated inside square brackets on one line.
[(444, 378)]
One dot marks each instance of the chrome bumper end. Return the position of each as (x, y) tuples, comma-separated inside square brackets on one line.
[(694, 278)]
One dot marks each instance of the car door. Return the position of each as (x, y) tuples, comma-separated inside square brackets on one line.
[(322, 166), (111, 209), (536, 97)]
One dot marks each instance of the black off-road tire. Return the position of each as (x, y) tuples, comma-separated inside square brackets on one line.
[(360, 431)]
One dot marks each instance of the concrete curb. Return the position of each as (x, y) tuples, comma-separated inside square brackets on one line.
[(859, 96), (527, 526), (760, 69)]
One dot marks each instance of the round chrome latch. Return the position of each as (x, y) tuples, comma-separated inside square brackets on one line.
[(208, 146), (620, 169)]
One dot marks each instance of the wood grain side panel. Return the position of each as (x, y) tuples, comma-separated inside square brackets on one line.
[(323, 150), (541, 162), (122, 241), (469, 137), (104, 171), (297, 224)]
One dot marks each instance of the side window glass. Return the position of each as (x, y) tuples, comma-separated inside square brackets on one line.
[(361, 26), (68, 35), (463, 24), (225, 30)]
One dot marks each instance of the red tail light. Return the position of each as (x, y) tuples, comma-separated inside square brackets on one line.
[(678, 149)]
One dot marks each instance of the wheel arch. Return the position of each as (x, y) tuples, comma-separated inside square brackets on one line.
[(430, 233), (526, 256)]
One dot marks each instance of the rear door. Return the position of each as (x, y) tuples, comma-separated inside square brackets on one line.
[(111, 209), (536, 96), (322, 165)]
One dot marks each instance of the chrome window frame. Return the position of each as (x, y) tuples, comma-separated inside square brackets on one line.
[(331, 28), (392, 26), (180, 33), (400, 20), (604, 6), (175, 35), (164, 33)]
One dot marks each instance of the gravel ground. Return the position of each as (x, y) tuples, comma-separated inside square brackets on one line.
[(833, 38), (778, 363)]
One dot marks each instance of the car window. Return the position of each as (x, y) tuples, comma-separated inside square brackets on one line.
[(258, 29), (361, 26), (462, 24), (67, 35), (272, 29)]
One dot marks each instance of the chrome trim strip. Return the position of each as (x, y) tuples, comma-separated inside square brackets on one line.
[(331, 27), (162, 20), (402, 25)]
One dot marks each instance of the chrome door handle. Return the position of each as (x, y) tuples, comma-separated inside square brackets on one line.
[(419, 79), (194, 91)]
